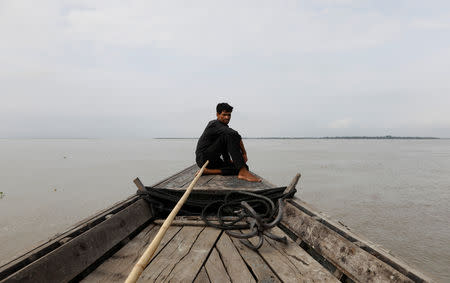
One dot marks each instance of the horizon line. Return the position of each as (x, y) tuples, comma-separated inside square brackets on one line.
[(268, 137), (325, 137)]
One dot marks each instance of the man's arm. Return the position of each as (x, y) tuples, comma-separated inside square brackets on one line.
[(244, 153)]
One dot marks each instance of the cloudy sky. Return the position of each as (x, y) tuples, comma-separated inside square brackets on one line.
[(139, 68)]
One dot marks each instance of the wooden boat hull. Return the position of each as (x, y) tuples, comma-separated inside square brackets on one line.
[(104, 247)]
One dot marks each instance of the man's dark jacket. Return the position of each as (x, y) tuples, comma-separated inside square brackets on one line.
[(212, 132)]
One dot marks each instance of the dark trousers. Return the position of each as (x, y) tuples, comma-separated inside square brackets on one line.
[(226, 145)]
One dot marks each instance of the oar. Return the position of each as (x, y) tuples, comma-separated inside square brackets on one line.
[(148, 254)]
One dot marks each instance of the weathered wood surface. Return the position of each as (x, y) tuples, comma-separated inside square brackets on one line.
[(259, 267), (348, 257), (202, 254), (119, 265), (293, 259), (202, 277), (203, 181), (196, 256), (166, 260), (182, 222), (181, 180), (72, 258), (195, 221), (183, 257), (233, 261), (362, 242), (232, 183), (215, 268)]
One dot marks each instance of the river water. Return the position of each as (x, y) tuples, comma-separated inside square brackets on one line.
[(396, 193)]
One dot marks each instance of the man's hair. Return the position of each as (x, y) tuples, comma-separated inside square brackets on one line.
[(224, 107)]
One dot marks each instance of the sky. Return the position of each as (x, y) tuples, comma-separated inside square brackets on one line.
[(144, 69)]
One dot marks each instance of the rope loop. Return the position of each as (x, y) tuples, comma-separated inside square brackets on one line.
[(259, 213), (234, 210)]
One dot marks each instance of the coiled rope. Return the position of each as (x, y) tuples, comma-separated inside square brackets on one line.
[(259, 211), (245, 207)]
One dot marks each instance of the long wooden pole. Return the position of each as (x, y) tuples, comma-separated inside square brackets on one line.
[(148, 254)]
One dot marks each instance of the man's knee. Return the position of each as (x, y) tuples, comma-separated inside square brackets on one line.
[(230, 137)]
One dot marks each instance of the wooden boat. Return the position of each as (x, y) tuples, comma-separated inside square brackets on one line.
[(105, 247)]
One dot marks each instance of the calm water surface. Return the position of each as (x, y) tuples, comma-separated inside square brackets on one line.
[(394, 192)]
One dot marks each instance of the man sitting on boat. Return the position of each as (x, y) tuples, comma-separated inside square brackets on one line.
[(218, 142)]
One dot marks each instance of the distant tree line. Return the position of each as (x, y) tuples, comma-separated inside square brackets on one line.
[(382, 138), (325, 138), (351, 137)]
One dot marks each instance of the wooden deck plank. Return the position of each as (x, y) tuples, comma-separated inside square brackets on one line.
[(187, 268), (253, 260), (179, 180), (233, 261), (215, 268), (202, 277), (356, 263), (193, 221), (173, 252), (288, 266), (170, 178), (202, 181), (119, 265), (182, 180), (224, 188), (183, 256), (310, 269), (211, 182), (232, 182)]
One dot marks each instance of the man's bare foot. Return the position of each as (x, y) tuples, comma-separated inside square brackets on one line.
[(244, 174)]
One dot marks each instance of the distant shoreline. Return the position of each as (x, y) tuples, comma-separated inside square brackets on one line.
[(248, 138), (326, 138)]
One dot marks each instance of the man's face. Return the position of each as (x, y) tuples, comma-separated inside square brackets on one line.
[(224, 117)]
